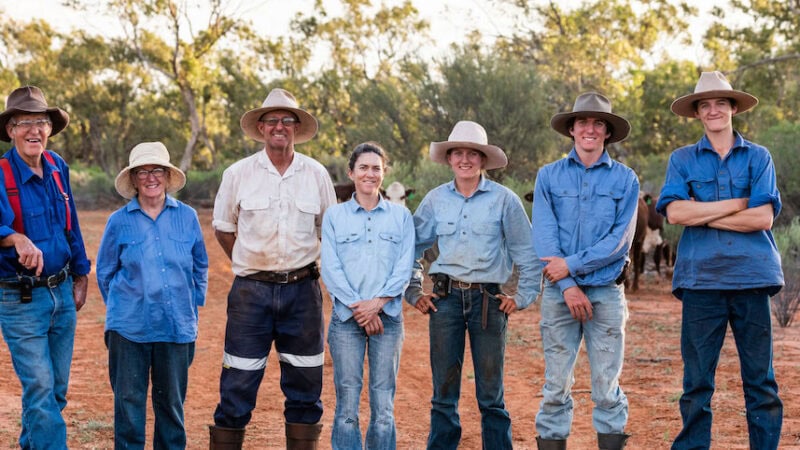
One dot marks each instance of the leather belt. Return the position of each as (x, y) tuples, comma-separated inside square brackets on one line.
[(286, 277), (463, 285), (36, 282)]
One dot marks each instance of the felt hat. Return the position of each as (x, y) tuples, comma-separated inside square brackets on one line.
[(592, 104), (712, 85), (279, 99), (468, 134), (30, 99)]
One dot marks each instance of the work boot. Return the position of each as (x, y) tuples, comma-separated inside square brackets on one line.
[(551, 444), (302, 436), (611, 441), (225, 438)]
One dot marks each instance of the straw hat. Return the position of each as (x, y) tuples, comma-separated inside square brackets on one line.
[(592, 104), (712, 85), (30, 99), (279, 99), (467, 134), (149, 153)]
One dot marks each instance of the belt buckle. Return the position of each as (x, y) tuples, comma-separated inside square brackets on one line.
[(52, 281), (463, 285), (282, 277)]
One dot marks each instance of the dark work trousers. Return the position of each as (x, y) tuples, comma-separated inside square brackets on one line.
[(259, 314)]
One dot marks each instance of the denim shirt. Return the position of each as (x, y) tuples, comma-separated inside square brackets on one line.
[(479, 237), (44, 218), (367, 254), (586, 215), (709, 258), (153, 274)]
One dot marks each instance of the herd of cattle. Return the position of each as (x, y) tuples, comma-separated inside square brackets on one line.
[(647, 239)]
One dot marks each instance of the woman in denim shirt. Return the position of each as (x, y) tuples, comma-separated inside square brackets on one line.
[(367, 254)]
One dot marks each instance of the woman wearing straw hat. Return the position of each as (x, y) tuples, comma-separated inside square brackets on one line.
[(723, 190), (481, 228), (152, 270)]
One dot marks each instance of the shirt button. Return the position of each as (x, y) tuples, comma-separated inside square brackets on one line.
[(369, 229), (465, 216)]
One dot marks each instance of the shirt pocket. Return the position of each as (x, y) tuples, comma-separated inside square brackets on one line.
[(37, 226), (703, 189), (389, 246), (305, 221), (131, 250), (255, 218), (348, 248), (741, 187), (182, 247), (607, 203), (565, 199)]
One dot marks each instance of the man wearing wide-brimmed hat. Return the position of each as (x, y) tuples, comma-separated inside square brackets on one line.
[(481, 229), (584, 217), (43, 264), (267, 216), (722, 189)]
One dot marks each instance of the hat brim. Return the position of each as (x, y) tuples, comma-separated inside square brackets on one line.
[(308, 124), (495, 157), (684, 106), (620, 127), (58, 116), (125, 188)]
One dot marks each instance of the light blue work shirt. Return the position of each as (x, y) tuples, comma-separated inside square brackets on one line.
[(586, 215), (714, 259), (367, 254), (153, 274), (480, 237)]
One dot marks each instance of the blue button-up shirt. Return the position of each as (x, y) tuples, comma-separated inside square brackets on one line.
[(479, 237), (586, 215), (709, 258), (44, 216), (153, 273), (367, 254)]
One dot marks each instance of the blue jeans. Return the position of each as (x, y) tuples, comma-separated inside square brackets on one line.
[(39, 336), (459, 313), (130, 367), (348, 344), (706, 315), (605, 346)]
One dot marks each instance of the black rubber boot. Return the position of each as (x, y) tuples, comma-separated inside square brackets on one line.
[(222, 438), (551, 444), (611, 441)]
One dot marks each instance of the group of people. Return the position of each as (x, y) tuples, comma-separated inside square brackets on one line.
[(275, 216)]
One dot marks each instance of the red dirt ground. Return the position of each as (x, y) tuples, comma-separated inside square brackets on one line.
[(651, 377)]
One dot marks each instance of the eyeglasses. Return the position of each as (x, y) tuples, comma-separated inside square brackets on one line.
[(158, 172), (26, 125), (286, 121)]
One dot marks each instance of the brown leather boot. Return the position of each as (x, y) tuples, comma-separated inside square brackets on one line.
[(551, 444), (225, 438), (302, 436), (611, 441)]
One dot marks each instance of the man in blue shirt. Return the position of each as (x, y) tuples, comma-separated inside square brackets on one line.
[(583, 216), (43, 265), (723, 191), (480, 227)]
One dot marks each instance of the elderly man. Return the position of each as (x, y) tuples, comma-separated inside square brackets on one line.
[(267, 216), (584, 211), (43, 264), (722, 189)]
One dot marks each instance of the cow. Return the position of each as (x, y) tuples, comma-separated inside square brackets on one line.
[(647, 238)]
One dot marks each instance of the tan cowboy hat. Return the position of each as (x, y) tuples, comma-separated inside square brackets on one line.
[(712, 85), (592, 104), (279, 99), (467, 134), (30, 99), (148, 153)]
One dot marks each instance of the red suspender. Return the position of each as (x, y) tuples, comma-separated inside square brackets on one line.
[(13, 193)]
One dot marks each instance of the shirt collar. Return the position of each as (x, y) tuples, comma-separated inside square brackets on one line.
[(603, 160), (483, 185), (296, 165), (25, 172), (738, 142), (134, 205), (353, 205)]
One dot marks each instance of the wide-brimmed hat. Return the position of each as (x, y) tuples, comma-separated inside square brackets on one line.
[(712, 85), (468, 134), (279, 99), (148, 153), (30, 99), (592, 104)]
